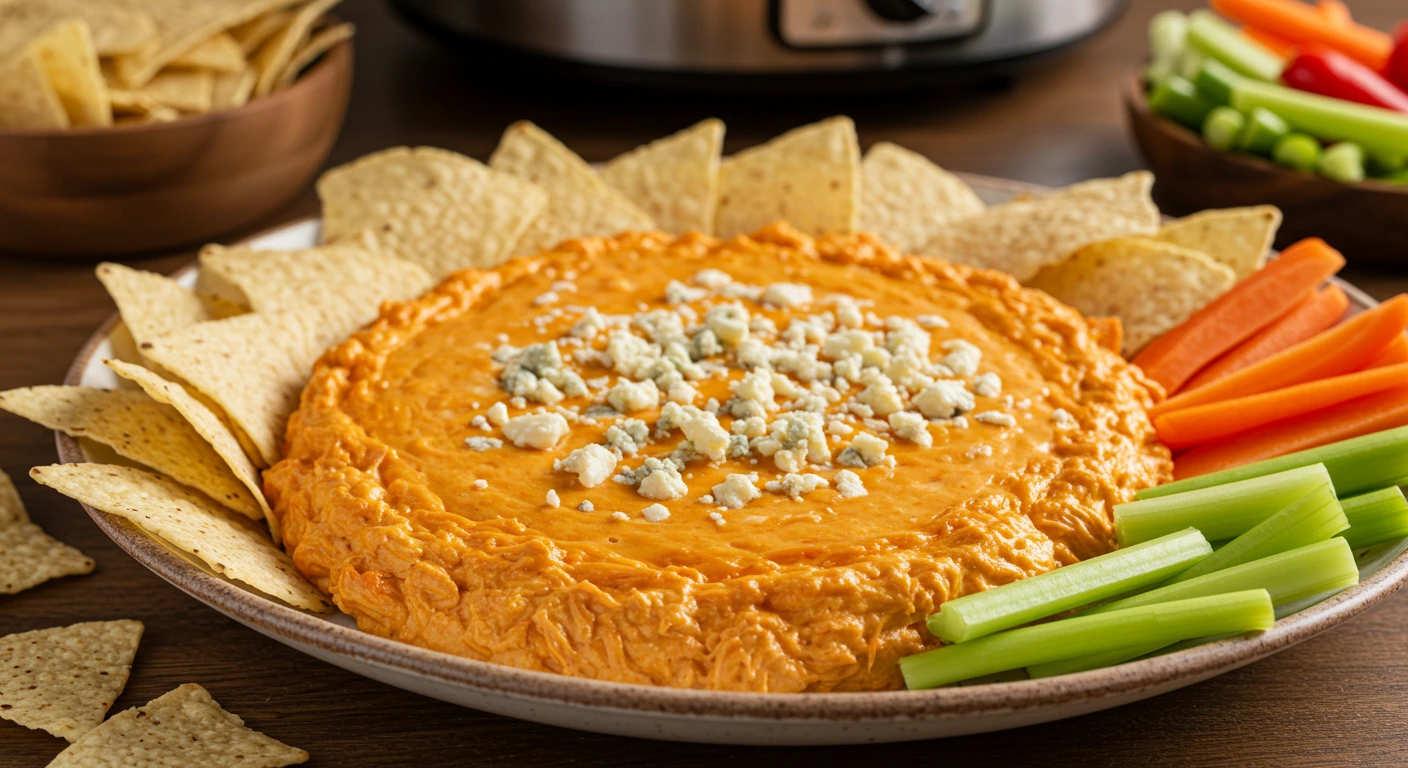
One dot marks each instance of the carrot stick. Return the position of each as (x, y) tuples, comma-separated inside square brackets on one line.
[(1205, 423), (1278, 45), (1301, 23), (1396, 352), (1334, 12), (1347, 347), (1318, 311), (1374, 413), (1256, 302)]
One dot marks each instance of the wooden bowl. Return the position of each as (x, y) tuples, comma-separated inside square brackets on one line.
[(127, 189), (1365, 220)]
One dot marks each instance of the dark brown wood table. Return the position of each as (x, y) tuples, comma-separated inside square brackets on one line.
[(1339, 699)]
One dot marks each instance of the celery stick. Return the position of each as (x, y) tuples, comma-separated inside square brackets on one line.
[(1314, 569), (1214, 81), (1375, 129), (1356, 465), (1168, 35), (1344, 162), (1316, 517), (1224, 42), (1221, 128), (1298, 151), (983, 613), (1177, 99), (1376, 517), (1161, 624), (1220, 512), (1262, 131)]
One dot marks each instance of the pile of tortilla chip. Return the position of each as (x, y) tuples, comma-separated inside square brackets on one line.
[(82, 63)]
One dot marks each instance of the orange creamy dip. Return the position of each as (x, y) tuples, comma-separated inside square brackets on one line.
[(428, 541)]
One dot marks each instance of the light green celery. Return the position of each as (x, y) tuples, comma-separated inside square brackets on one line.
[(1344, 162), (1315, 517), (1356, 465), (1220, 512), (1224, 42), (1163, 623), (1221, 128), (1214, 81), (1298, 151), (1376, 517), (1168, 35), (1314, 569), (983, 613), (1375, 129)]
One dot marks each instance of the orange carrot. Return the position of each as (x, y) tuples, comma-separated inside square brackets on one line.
[(1256, 302), (1347, 347), (1396, 352), (1301, 23), (1278, 45), (1201, 424), (1384, 410), (1334, 12), (1315, 313)]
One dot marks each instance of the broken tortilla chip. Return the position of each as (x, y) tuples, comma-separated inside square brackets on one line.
[(151, 305), (117, 26), (579, 203), (255, 32), (346, 282), (182, 25), (180, 89), (1022, 236), (230, 546), (253, 367), (27, 98), (321, 42), (809, 177), (138, 428), (433, 207), (220, 54), (11, 507), (905, 198), (64, 679), (183, 727), (675, 180), (1238, 237), (29, 557), (274, 56), (1149, 285), (71, 65)]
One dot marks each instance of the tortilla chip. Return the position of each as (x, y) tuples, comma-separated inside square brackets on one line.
[(1150, 286), (675, 179), (27, 98), (579, 203), (345, 282), (905, 198), (1022, 236), (274, 56), (157, 114), (158, 505), (253, 367), (117, 26), (184, 727), (210, 425), (11, 507), (138, 428), (63, 679), (151, 305), (181, 26), (436, 208), (257, 31), (29, 557), (1238, 237), (809, 176), (125, 102), (320, 43), (180, 89), (232, 90), (72, 67), (220, 54)]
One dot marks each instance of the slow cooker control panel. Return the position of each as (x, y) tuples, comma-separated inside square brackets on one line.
[(843, 23)]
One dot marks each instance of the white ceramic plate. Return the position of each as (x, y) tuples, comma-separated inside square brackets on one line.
[(708, 716)]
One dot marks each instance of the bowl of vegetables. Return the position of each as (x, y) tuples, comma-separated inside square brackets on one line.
[(1285, 103)]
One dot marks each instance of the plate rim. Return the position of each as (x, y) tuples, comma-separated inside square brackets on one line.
[(305, 630)]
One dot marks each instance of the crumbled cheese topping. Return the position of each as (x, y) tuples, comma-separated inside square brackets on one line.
[(795, 486), (996, 418), (737, 490), (620, 516), (481, 484), (483, 443), (1063, 418), (537, 430), (586, 506), (987, 385), (655, 513), (849, 485), (552, 499), (592, 464)]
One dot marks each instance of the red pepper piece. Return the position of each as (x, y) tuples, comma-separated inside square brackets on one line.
[(1396, 70), (1329, 73)]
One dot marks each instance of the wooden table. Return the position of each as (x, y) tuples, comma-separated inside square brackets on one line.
[(1340, 699)]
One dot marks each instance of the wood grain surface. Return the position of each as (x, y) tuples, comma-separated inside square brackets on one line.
[(1340, 699)]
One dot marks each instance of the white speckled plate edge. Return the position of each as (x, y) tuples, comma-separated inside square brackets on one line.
[(710, 716)]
